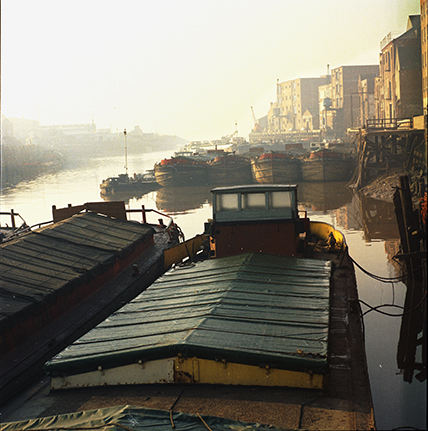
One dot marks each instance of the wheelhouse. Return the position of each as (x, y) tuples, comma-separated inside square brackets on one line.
[(256, 218)]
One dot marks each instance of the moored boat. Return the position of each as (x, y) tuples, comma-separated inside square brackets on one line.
[(229, 169), (182, 171), (63, 278), (327, 165), (268, 325), (276, 168), (123, 183)]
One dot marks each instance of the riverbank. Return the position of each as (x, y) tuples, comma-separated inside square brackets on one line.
[(384, 186)]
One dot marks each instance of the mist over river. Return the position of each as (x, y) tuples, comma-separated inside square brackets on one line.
[(369, 226)]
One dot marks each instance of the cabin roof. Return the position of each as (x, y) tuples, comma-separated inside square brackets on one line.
[(228, 205), (37, 266), (254, 188), (250, 309)]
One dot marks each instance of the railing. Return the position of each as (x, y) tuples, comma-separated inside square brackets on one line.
[(13, 231), (144, 211), (12, 215), (390, 123)]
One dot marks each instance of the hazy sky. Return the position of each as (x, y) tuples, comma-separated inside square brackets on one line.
[(190, 68)]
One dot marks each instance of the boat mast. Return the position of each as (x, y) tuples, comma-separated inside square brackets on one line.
[(126, 154)]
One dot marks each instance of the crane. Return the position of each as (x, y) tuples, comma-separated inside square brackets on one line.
[(257, 127)]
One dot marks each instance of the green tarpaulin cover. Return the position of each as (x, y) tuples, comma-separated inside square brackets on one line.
[(44, 263), (253, 309), (133, 418)]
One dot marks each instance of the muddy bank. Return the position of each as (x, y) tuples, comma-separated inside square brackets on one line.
[(384, 186)]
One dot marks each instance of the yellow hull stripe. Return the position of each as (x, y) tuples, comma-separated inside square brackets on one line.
[(185, 249), (195, 370)]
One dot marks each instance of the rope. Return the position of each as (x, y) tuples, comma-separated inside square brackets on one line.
[(206, 425)]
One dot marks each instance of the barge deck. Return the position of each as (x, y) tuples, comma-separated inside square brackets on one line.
[(61, 280), (340, 399)]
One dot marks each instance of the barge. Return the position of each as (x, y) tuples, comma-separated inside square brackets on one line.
[(229, 169), (276, 168), (327, 165), (182, 171), (59, 280), (267, 330)]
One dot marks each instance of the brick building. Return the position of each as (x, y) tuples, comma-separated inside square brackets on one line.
[(344, 111), (399, 87), (297, 105)]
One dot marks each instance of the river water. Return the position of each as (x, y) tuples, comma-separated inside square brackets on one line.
[(369, 226)]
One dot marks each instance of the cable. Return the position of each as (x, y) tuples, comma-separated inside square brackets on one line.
[(391, 305), (387, 280), (377, 277), (380, 306)]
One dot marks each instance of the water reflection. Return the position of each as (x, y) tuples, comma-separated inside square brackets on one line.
[(377, 217), (319, 196), (412, 345), (176, 200), (371, 232), (126, 197)]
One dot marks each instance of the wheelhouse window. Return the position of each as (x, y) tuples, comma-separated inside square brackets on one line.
[(228, 202), (280, 200), (253, 201)]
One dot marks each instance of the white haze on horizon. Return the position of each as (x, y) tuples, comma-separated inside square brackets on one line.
[(190, 68)]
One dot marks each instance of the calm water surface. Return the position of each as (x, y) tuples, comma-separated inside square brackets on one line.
[(369, 226)]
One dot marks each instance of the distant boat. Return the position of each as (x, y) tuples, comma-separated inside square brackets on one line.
[(182, 171), (229, 169), (275, 168), (123, 183), (327, 165)]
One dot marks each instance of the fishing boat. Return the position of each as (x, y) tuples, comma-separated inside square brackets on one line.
[(123, 183), (183, 170), (327, 165), (229, 169), (261, 326), (276, 168), (61, 278)]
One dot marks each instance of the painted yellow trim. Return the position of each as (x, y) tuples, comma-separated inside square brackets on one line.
[(195, 370), (322, 230), (185, 249)]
